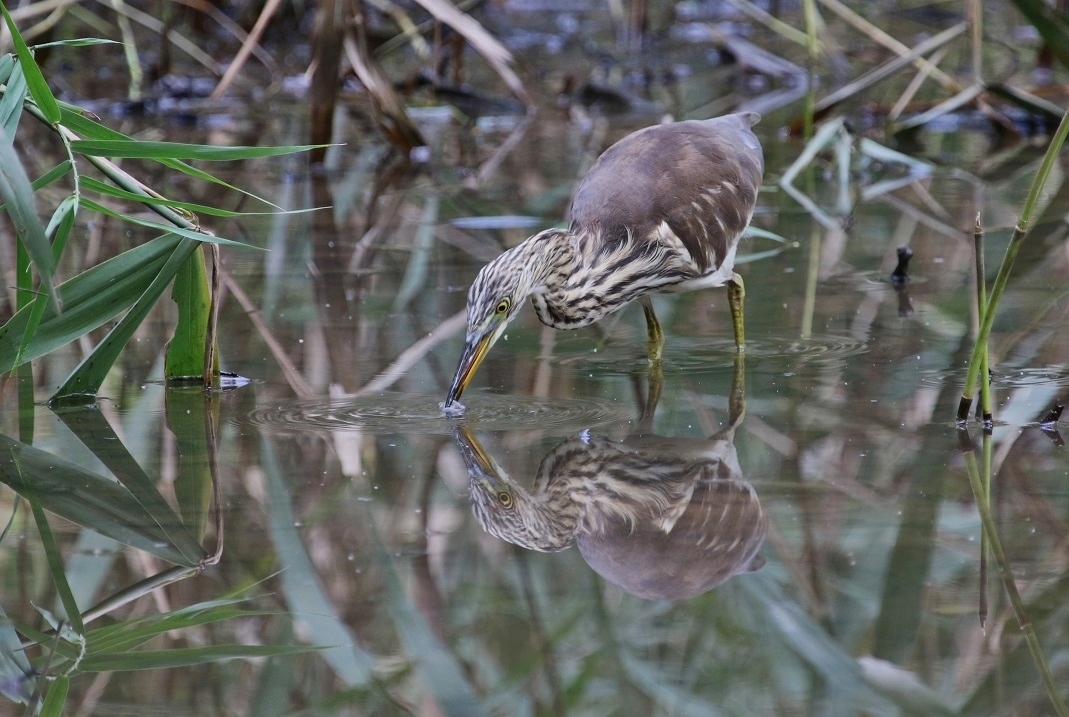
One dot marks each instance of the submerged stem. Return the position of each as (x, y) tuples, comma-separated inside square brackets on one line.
[(982, 498)]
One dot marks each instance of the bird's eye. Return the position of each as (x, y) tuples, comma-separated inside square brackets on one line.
[(503, 306), (505, 498)]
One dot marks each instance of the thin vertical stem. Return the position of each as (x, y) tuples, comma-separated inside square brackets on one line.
[(1003, 276), (1005, 573), (981, 304)]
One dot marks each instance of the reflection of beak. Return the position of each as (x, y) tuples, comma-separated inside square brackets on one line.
[(474, 351), (480, 465)]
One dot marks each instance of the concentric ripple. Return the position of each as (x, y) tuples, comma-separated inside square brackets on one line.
[(420, 414), (685, 355)]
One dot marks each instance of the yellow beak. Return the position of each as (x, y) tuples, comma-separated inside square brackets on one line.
[(474, 351)]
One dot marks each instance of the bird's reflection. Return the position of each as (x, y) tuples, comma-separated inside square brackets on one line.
[(659, 517)]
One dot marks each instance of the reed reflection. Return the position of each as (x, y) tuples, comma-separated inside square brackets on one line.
[(660, 517)]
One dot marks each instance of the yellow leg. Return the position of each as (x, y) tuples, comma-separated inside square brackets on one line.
[(653, 328), (736, 297), (737, 400)]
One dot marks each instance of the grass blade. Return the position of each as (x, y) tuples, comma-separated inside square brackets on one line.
[(185, 657)]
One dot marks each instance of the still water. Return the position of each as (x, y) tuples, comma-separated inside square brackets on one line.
[(792, 531)]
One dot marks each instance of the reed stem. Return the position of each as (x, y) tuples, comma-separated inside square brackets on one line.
[(1003, 276)]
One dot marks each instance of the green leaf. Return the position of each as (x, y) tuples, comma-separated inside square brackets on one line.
[(88, 376), (95, 296), (163, 226), (185, 657), (56, 697), (57, 172), (59, 227), (139, 149), (186, 349), (8, 63), (95, 185), (43, 96), (17, 194), (78, 42), (12, 102), (77, 122)]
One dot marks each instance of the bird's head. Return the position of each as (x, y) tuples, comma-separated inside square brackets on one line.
[(505, 509), (494, 299)]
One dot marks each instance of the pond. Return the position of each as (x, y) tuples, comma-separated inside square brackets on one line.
[(790, 530)]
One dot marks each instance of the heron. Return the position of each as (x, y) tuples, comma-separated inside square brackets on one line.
[(661, 210)]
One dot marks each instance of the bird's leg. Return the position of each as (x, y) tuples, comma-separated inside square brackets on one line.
[(737, 399), (736, 296), (653, 328)]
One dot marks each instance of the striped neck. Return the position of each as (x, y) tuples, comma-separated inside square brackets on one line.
[(593, 277)]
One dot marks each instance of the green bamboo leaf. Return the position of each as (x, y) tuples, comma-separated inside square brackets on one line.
[(12, 102), (17, 194), (186, 349), (95, 296), (139, 149), (8, 63), (78, 42), (95, 185), (185, 657), (59, 226), (88, 375), (57, 172), (43, 96), (56, 697), (60, 649), (173, 620), (76, 121), (162, 226)]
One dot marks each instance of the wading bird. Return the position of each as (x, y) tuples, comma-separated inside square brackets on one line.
[(661, 210)]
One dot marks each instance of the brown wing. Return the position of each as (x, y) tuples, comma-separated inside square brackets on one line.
[(699, 176)]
